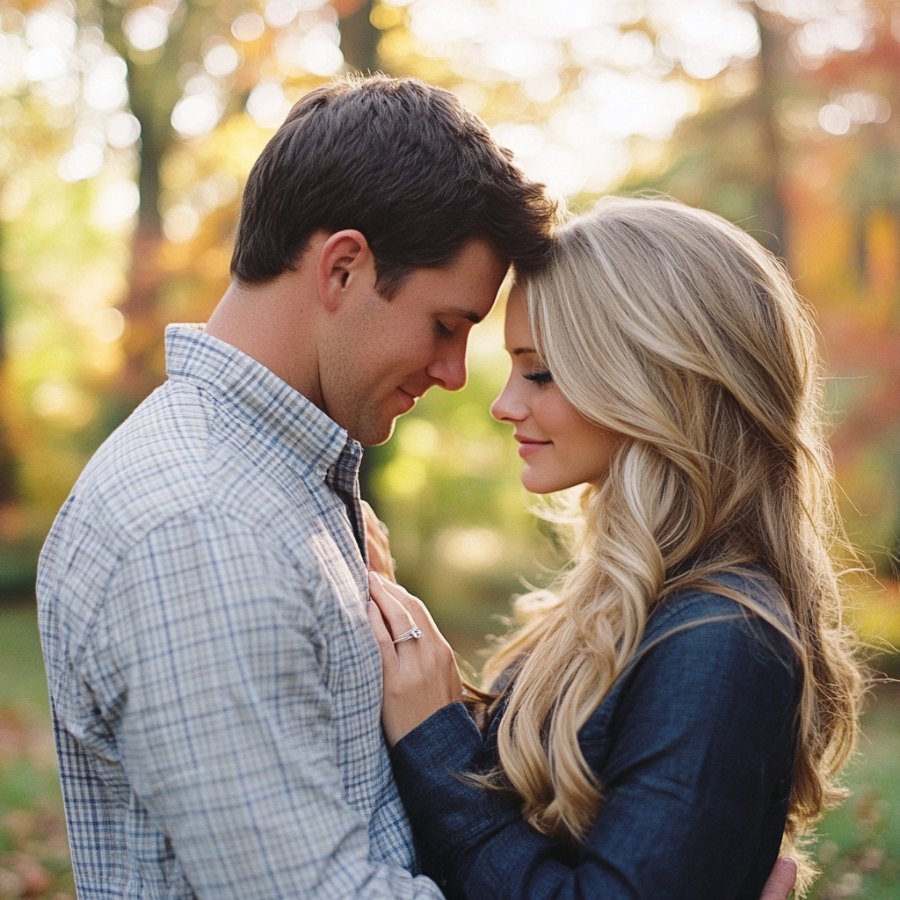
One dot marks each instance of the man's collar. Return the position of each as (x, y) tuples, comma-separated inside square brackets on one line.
[(282, 415)]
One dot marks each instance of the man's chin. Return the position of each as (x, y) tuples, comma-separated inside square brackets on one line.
[(372, 434)]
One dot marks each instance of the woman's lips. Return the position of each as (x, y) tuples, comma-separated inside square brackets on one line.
[(527, 446)]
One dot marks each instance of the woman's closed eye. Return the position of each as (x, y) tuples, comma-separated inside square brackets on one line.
[(540, 378)]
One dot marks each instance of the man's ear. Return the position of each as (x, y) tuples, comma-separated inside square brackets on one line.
[(345, 264)]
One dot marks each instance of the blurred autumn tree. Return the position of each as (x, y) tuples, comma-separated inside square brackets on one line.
[(128, 126), (29, 131), (189, 66), (801, 146), (779, 114), (136, 123)]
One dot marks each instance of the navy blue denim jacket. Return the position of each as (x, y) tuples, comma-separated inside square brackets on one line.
[(694, 747)]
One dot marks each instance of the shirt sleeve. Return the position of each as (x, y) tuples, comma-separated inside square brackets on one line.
[(225, 724), (701, 744)]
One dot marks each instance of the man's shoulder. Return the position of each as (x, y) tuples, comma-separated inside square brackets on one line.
[(178, 474), (151, 468), (180, 454)]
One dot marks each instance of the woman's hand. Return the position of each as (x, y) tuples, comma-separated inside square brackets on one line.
[(420, 674), (377, 544)]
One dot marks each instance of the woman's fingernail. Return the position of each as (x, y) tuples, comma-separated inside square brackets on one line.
[(374, 577)]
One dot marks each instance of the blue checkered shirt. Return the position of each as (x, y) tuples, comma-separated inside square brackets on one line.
[(214, 684)]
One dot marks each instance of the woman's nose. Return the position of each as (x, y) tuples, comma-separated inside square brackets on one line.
[(506, 408)]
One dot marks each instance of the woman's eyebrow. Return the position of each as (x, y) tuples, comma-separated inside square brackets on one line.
[(521, 351)]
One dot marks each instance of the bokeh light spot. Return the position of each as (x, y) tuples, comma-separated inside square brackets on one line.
[(221, 60), (122, 130), (146, 27), (104, 84), (196, 114), (470, 549), (108, 325), (267, 105), (81, 162), (116, 204), (181, 223), (248, 27), (834, 119)]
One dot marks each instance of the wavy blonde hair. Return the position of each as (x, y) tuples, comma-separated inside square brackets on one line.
[(676, 329)]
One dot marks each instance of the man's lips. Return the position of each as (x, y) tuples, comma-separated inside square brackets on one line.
[(408, 399), (527, 445)]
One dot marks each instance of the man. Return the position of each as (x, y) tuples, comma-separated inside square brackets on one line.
[(215, 687)]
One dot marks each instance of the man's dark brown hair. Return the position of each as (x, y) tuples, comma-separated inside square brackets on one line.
[(401, 161)]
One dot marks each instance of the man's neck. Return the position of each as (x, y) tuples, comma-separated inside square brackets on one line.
[(267, 322)]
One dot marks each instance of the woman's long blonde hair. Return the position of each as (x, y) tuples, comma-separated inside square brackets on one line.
[(676, 329)]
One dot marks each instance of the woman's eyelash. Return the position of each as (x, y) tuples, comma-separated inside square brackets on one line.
[(540, 378)]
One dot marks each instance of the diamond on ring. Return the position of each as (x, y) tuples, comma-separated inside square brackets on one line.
[(412, 634)]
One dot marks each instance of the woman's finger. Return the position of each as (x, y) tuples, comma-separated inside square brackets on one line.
[(379, 627), (416, 683), (781, 881), (382, 635), (377, 544), (396, 615), (416, 609)]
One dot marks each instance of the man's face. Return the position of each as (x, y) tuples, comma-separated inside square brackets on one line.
[(384, 354)]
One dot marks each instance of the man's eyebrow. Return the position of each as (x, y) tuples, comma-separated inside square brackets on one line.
[(468, 314)]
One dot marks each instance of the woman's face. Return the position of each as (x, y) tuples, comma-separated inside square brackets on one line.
[(561, 448)]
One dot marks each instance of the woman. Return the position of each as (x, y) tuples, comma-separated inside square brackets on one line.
[(676, 710)]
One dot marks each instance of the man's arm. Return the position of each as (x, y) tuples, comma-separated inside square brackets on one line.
[(227, 728)]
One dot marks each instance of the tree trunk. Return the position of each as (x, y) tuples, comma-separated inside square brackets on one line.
[(8, 489), (773, 72), (154, 90), (142, 337), (359, 38)]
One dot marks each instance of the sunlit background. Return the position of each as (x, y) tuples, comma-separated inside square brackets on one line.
[(127, 129)]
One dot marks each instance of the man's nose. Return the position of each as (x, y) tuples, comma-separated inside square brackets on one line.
[(449, 369)]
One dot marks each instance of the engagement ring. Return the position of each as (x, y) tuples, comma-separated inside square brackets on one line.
[(412, 634)]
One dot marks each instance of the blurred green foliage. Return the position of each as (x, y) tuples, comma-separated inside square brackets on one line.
[(859, 843), (34, 852)]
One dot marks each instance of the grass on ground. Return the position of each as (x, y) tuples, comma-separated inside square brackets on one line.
[(858, 849)]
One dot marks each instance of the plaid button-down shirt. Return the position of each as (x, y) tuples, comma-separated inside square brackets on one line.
[(214, 684)]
